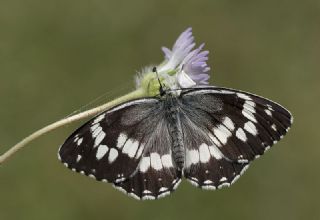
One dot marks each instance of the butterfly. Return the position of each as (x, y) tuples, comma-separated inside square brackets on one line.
[(208, 135)]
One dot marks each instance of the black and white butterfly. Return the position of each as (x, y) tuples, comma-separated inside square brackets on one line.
[(208, 135)]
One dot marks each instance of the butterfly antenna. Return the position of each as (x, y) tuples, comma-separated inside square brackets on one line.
[(162, 92)]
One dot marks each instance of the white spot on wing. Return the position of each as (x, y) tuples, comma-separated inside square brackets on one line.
[(92, 176), (140, 151), (119, 188), (204, 153), (250, 106), (121, 140), (134, 196), (148, 197), (127, 146), (268, 112), (166, 160), (102, 150), (99, 138), (270, 107), (146, 191), (130, 148), (215, 152), (76, 138), (274, 127), (208, 187), (235, 179), (194, 181), (228, 123), (59, 157), (98, 119), (222, 133), (192, 157), (144, 164), (155, 161), (79, 158), (176, 183), (241, 135), (226, 92), (249, 115), (214, 139), (162, 189), (251, 128), (79, 141), (96, 131), (113, 154), (243, 96), (94, 127), (163, 194), (267, 148), (223, 179), (244, 169), (223, 185)]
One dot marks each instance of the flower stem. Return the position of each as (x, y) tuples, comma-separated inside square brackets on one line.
[(132, 95)]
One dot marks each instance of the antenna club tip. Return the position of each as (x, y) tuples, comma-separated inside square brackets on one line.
[(154, 69)]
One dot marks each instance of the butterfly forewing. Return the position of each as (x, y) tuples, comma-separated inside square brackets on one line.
[(226, 129), (110, 146), (130, 146)]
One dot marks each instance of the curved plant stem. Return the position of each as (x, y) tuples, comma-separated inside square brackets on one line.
[(133, 95)]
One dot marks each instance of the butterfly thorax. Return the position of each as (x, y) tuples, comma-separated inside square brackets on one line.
[(173, 115)]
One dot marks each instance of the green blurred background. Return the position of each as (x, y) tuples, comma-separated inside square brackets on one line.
[(56, 56)]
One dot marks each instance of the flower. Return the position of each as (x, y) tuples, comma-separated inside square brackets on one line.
[(182, 47), (190, 65), (195, 68), (185, 66)]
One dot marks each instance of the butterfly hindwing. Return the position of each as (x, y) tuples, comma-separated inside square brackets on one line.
[(205, 164), (229, 129), (156, 175)]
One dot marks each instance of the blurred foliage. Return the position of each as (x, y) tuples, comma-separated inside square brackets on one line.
[(56, 56)]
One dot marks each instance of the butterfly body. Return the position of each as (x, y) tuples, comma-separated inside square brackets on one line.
[(208, 135), (173, 113)]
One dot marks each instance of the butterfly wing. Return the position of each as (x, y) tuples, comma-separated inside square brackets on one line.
[(225, 130), (157, 175), (128, 145), (109, 147)]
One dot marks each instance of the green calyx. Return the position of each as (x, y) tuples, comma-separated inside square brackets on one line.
[(150, 83)]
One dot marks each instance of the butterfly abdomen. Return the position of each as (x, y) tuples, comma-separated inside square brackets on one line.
[(175, 129)]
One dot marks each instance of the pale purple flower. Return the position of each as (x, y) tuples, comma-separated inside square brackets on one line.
[(195, 67), (182, 47), (190, 64)]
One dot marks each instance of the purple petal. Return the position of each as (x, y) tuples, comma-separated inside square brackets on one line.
[(195, 65), (181, 48), (167, 52)]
